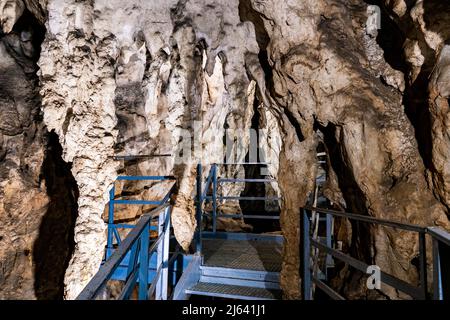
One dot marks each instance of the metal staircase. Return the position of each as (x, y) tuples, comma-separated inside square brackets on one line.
[(232, 265), (321, 224), (143, 263), (225, 265), (239, 269), (243, 266)]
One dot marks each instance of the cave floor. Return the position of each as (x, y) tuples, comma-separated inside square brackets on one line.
[(243, 254)]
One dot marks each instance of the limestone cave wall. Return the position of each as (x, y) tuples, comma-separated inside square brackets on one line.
[(84, 81)]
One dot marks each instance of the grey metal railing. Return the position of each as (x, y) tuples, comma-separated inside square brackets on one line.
[(441, 249), (439, 236), (211, 185)]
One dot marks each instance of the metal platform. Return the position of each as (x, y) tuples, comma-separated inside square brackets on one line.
[(239, 265), (233, 292), (242, 254), (245, 267), (231, 265)]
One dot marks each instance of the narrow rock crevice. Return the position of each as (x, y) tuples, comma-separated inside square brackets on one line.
[(353, 195), (247, 13), (55, 243), (390, 38), (257, 189), (53, 204), (416, 108)]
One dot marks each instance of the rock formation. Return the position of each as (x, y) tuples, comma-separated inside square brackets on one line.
[(37, 195), (143, 77), (23, 197), (325, 78)]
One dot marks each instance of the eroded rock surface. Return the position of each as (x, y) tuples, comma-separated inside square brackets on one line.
[(137, 86), (325, 78), (23, 197)]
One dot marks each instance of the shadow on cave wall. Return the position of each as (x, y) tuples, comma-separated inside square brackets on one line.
[(416, 97), (55, 243), (361, 233), (247, 13), (436, 17), (353, 196)]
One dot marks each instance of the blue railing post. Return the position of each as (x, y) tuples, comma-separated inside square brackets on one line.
[(198, 235), (133, 258), (214, 198), (165, 268), (109, 244), (437, 277), (143, 264), (163, 254), (305, 255)]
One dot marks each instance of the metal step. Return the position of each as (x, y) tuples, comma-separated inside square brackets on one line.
[(240, 277), (240, 274), (261, 256), (233, 292), (223, 180), (247, 216), (241, 282), (249, 198)]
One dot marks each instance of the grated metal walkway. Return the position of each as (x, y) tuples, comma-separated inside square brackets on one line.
[(234, 292), (242, 254)]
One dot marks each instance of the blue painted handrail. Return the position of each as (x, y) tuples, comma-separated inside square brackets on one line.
[(112, 227), (208, 183), (137, 243)]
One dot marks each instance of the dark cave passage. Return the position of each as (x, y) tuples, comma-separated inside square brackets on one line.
[(354, 197), (258, 189), (55, 243)]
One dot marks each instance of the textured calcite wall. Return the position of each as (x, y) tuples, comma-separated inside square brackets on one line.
[(140, 77), (327, 75), (23, 197), (424, 25), (139, 85), (77, 89)]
